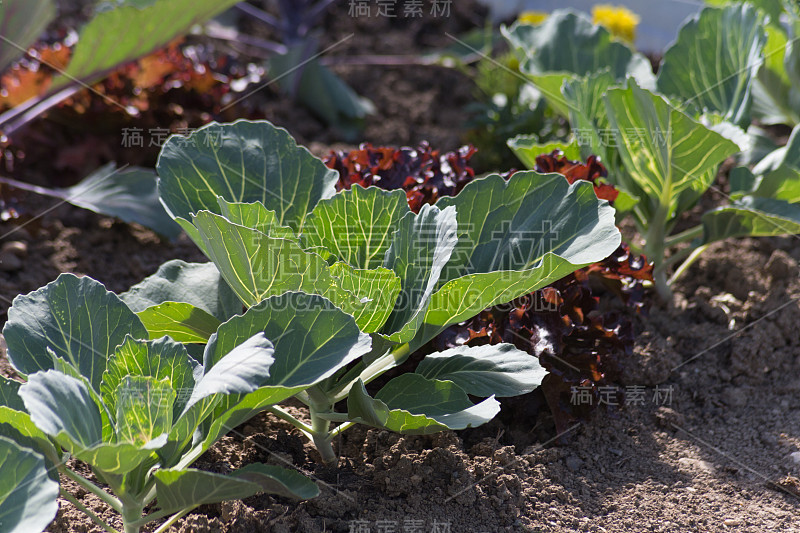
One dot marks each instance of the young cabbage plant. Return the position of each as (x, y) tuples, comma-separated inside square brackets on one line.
[(305, 260), (776, 92), (664, 149), (137, 411)]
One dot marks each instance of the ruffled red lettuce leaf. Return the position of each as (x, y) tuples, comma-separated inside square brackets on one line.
[(593, 171), (423, 173)]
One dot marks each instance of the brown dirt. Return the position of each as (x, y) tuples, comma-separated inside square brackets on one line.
[(715, 457)]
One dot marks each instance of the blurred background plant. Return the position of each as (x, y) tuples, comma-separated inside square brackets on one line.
[(293, 60), (619, 20)]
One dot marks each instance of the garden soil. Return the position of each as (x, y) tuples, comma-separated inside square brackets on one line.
[(706, 440)]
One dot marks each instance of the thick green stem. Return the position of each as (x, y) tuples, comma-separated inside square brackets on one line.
[(662, 285), (112, 502), (88, 512), (130, 518), (322, 438), (655, 246)]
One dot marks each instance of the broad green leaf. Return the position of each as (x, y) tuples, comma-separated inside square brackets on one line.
[(413, 404), (319, 89), (245, 365), (527, 148), (432, 397), (236, 410), (713, 62), (77, 318), (18, 426), (62, 365), (128, 194), (356, 225), (198, 284), (516, 236), (9, 394), (783, 183), (144, 409), (766, 205), (62, 407), (160, 359), (312, 338), (242, 162), (549, 85), (120, 35), (181, 321), (567, 45), (421, 247), (741, 181), (588, 117), (242, 368), (28, 497), (254, 216), (377, 289), (120, 458), (752, 217), (181, 489), (664, 151), (788, 155), (499, 370), (21, 23), (273, 479), (363, 408), (775, 96), (256, 265)]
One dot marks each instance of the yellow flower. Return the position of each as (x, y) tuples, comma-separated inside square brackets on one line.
[(620, 21), (532, 17)]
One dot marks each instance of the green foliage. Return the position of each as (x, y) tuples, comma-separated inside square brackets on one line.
[(130, 31), (506, 104), (664, 149), (350, 284), (716, 78), (21, 22), (566, 46), (137, 411), (27, 494), (120, 32)]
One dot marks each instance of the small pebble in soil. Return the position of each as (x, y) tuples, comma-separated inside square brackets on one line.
[(573, 463), (11, 255), (794, 458), (732, 522), (18, 248)]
